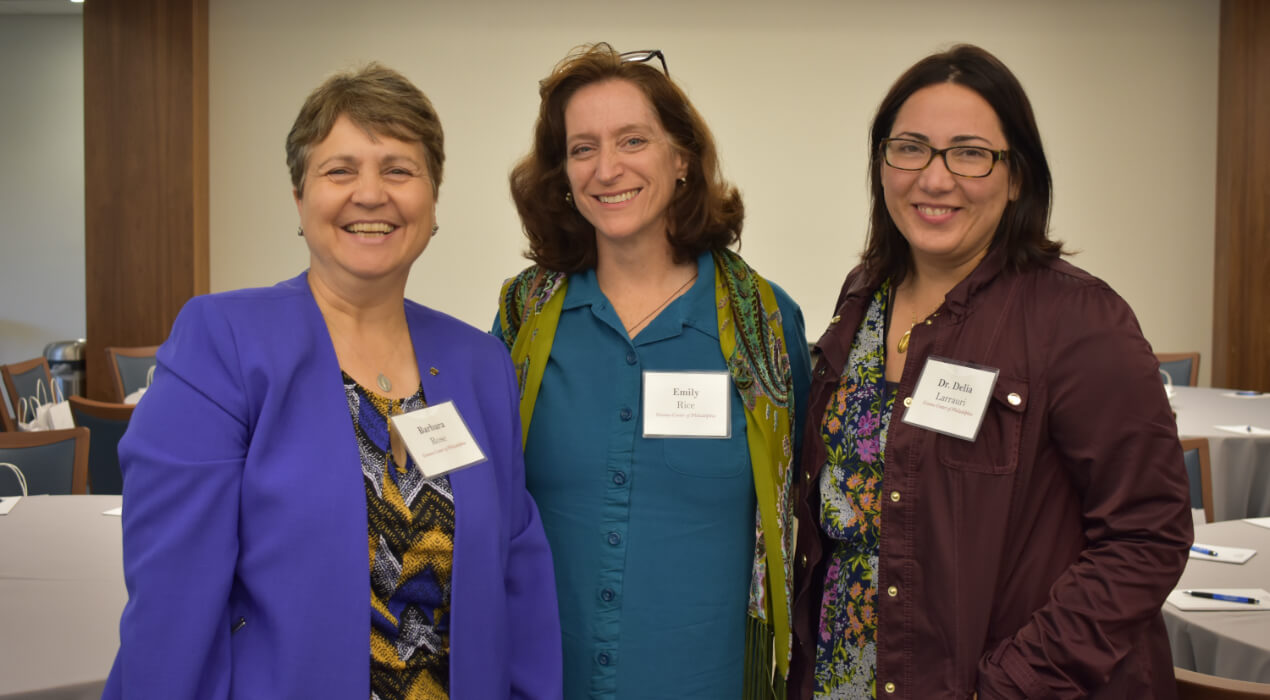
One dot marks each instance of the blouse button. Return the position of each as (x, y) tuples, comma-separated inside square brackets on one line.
[(604, 659), (607, 595), (890, 687), (1014, 399), (626, 414), (619, 478), (614, 539), (895, 496), (631, 358), (892, 591), (908, 401)]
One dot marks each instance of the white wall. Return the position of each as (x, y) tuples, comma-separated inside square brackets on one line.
[(1125, 93), (41, 183)]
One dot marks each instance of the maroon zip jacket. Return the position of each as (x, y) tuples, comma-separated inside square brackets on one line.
[(1032, 562)]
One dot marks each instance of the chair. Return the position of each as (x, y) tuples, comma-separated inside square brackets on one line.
[(1182, 367), (20, 380), (53, 461), (1192, 685), (1200, 473), (129, 367), (106, 423)]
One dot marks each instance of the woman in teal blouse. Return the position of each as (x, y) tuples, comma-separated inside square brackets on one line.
[(661, 377)]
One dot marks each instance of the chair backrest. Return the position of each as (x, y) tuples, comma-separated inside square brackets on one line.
[(1200, 473), (8, 423), (129, 367), (1199, 686), (53, 461), (106, 422), (1183, 367), (21, 378)]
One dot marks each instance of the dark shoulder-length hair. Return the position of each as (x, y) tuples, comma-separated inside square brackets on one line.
[(705, 213), (1024, 227)]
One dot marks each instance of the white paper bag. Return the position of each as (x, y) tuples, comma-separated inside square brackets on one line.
[(30, 416), (135, 396), (45, 410)]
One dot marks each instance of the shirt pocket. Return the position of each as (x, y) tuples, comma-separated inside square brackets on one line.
[(995, 450), (707, 458)]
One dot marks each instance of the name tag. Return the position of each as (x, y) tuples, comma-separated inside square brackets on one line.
[(437, 439), (951, 397), (687, 404)]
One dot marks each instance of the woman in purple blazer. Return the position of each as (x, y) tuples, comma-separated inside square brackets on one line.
[(281, 540)]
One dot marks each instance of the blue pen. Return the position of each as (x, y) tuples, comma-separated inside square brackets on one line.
[(1203, 550), (1222, 596)]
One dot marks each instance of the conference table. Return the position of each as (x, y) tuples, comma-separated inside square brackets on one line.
[(1240, 457), (1231, 644), (61, 593)]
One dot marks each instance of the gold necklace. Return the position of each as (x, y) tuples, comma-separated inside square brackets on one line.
[(902, 346), (630, 330)]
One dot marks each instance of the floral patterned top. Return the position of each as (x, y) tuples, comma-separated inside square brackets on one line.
[(854, 430)]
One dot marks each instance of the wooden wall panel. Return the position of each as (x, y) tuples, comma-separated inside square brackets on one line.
[(1241, 294), (145, 171)]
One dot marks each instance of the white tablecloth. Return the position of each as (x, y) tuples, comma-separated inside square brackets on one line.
[(1227, 644), (1241, 462), (61, 594)]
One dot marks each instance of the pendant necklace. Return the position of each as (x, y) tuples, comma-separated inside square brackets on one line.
[(386, 385), (631, 330), (902, 346)]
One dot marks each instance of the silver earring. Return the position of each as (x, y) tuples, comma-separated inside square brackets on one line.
[(681, 181), (299, 231), (568, 197), (435, 228)]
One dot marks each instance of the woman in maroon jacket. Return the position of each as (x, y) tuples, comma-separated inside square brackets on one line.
[(993, 496)]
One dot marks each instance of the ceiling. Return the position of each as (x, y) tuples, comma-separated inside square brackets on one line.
[(40, 7)]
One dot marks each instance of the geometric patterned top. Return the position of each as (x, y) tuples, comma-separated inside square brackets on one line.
[(410, 538)]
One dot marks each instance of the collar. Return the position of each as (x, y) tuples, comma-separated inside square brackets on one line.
[(694, 309), (957, 301), (958, 298)]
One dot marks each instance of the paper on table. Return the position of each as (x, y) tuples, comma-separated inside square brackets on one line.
[(113, 511), (1226, 555), (1259, 522), (1247, 394), (7, 503), (1181, 601), (1243, 429)]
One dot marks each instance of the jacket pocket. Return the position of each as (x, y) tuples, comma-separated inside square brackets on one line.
[(995, 450)]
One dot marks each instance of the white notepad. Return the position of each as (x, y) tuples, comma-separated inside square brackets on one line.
[(1259, 522), (1226, 555), (1243, 429), (1182, 601)]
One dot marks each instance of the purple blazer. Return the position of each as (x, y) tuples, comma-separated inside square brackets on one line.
[(244, 514)]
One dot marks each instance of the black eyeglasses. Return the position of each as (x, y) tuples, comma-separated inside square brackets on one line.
[(966, 161), (644, 57)]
